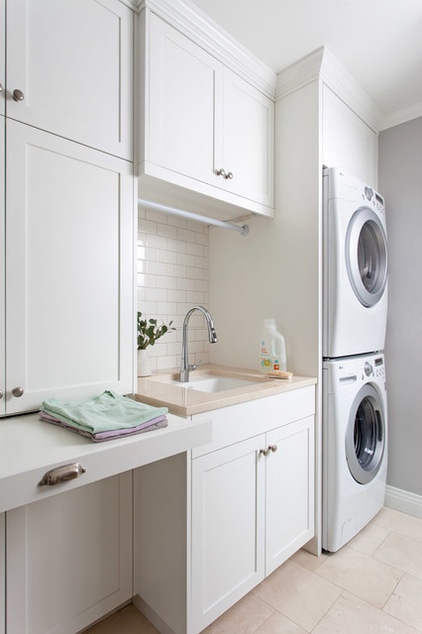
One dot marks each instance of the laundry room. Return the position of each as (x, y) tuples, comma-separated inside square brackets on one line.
[(211, 228)]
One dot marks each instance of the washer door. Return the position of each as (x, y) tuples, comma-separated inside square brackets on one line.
[(365, 434), (366, 256)]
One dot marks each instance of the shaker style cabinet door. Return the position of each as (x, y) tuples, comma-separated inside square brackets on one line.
[(69, 70), (2, 56), (228, 505), (2, 574), (290, 491), (69, 270), (69, 559), (185, 84), (248, 140), (2, 264)]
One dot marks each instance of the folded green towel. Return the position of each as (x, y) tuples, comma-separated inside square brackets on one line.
[(108, 411)]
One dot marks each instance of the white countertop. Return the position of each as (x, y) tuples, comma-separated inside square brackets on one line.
[(30, 447)]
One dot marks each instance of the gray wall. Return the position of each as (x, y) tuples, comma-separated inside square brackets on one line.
[(400, 182)]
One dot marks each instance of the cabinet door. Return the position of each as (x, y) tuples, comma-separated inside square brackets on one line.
[(2, 574), (290, 491), (227, 528), (2, 264), (183, 108), (2, 57), (73, 62), (69, 270), (347, 141), (69, 558), (248, 140)]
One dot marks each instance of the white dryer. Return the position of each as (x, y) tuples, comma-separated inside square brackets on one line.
[(355, 267), (354, 446)]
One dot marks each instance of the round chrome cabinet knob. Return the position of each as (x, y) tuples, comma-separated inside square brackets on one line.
[(18, 95), (17, 391)]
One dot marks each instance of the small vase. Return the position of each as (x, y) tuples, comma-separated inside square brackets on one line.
[(144, 364)]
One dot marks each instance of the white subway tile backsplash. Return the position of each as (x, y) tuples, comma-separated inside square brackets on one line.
[(172, 276)]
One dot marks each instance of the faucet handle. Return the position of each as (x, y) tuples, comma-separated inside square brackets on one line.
[(195, 365)]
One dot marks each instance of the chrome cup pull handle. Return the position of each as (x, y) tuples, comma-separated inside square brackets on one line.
[(62, 474)]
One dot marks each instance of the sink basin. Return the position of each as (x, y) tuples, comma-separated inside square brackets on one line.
[(214, 383)]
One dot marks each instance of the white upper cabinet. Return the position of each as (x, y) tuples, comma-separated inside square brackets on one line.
[(347, 141), (185, 99), (206, 134), (70, 70), (2, 56)]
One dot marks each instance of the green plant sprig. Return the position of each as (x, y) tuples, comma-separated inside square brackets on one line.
[(149, 331)]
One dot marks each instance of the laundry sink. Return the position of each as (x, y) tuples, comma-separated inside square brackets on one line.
[(213, 383)]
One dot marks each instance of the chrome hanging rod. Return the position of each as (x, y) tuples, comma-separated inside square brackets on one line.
[(243, 230)]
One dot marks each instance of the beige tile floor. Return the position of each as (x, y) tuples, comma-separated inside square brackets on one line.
[(372, 585)]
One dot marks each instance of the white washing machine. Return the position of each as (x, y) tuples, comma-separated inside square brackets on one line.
[(355, 267), (354, 446)]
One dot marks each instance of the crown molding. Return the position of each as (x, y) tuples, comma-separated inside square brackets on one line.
[(187, 18), (403, 115), (321, 65)]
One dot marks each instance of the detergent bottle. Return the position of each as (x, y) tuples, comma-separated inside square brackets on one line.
[(273, 349)]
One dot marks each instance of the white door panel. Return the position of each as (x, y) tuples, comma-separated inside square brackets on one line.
[(69, 269)]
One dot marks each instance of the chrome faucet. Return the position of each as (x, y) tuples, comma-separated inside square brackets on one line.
[(212, 336)]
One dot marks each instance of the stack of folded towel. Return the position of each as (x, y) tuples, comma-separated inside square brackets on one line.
[(104, 417)]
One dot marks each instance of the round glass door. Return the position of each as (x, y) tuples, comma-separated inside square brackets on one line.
[(365, 435), (366, 256)]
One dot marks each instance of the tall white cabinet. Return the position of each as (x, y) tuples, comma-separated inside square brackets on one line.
[(66, 289), (69, 201)]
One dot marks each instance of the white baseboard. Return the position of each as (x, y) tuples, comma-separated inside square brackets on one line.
[(400, 500)]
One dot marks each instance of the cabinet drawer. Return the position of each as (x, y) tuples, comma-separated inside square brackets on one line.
[(245, 420)]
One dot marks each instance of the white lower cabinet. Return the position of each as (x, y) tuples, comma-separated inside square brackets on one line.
[(2, 574), (69, 558), (252, 508), (210, 527), (228, 523)]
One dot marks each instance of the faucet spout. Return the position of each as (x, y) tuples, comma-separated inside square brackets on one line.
[(185, 367)]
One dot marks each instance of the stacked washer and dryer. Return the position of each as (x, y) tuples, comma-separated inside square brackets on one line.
[(354, 326)]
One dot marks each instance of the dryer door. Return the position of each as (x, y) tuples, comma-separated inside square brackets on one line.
[(366, 256), (366, 434)]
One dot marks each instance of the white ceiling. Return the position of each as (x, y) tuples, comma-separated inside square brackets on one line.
[(378, 41)]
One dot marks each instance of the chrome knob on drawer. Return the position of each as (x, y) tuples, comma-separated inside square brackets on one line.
[(1, 394), (18, 391), (62, 474)]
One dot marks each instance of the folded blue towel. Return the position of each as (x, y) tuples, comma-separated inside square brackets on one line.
[(107, 412)]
